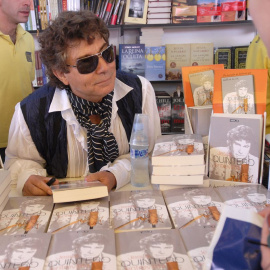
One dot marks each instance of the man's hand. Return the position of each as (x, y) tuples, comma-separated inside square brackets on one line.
[(36, 186), (106, 178)]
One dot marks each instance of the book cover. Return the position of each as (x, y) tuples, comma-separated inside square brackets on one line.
[(80, 216), (138, 210), (235, 143), (164, 106), (188, 94), (82, 250), (26, 215), (155, 60), (178, 114), (223, 55), (184, 11), (259, 86), (194, 207), (233, 10), (24, 251), (178, 149), (239, 57), (202, 87), (78, 190), (177, 56), (136, 11), (132, 58), (208, 11), (201, 54), (151, 250), (252, 197)]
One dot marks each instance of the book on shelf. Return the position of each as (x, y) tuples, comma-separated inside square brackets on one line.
[(201, 54), (163, 100), (178, 149), (164, 15), (233, 11), (171, 179), (26, 215), (78, 190), (235, 147), (159, 4), (252, 197), (82, 250), (24, 251), (80, 216), (159, 249), (177, 56), (209, 11), (159, 9), (155, 63), (132, 58), (159, 21), (193, 207), (223, 55), (240, 95), (190, 70), (136, 12), (138, 210), (239, 55), (184, 11)]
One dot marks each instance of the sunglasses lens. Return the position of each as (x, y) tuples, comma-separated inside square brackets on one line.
[(88, 64), (108, 55)]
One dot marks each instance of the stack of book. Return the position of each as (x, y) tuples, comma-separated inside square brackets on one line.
[(159, 12), (5, 187), (151, 36), (178, 159)]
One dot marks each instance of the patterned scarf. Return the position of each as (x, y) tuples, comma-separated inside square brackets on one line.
[(101, 144)]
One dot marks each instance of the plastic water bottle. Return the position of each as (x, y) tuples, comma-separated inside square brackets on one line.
[(139, 151)]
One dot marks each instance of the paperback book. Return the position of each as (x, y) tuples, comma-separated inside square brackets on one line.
[(169, 179), (239, 56), (80, 216), (201, 54), (178, 149), (184, 11), (132, 58), (82, 250), (209, 11), (193, 207), (24, 251), (235, 143), (223, 55), (138, 210), (26, 215), (151, 250)]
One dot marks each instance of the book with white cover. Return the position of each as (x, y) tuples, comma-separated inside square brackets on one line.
[(199, 207), (138, 210), (235, 145), (82, 250), (80, 216), (151, 250), (179, 170), (252, 197), (24, 251), (26, 215), (178, 149), (177, 179)]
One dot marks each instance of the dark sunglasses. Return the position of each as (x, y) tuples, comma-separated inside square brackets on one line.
[(89, 64)]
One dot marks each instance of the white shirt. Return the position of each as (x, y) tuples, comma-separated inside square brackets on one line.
[(23, 159)]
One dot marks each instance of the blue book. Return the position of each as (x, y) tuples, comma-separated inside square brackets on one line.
[(132, 58), (155, 63)]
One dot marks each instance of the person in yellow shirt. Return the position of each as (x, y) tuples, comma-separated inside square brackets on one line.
[(17, 64)]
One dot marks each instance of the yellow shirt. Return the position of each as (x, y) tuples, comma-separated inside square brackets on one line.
[(17, 71), (257, 58)]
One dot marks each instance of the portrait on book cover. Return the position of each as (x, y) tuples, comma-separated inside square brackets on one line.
[(238, 95), (73, 250), (152, 251), (23, 251), (235, 152), (202, 86)]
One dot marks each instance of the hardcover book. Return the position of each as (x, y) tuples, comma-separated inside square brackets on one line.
[(82, 250), (209, 11), (78, 190), (223, 55), (178, 149), (239, 57), (26, 215), (136, 12), (233, 10), (184, 11), (138, 210), (201, 54), (151, 250), (132, 58), (252, 197), (80, 216), (155, 63), (163, 100), (24, 251), (235, 143), (193, 207)]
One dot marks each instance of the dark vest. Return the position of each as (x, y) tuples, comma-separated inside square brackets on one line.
[(49, 132)]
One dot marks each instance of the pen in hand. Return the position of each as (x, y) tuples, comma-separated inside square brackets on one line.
[(51, 181)]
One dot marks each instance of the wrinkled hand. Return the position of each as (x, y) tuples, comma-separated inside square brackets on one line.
[(106, 178), (36, 186), (265, 262)]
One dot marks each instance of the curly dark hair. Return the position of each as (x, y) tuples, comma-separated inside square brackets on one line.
[(67, 29), (240, 132)]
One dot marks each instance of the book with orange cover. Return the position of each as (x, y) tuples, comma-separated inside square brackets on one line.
[(223, 79), (187, 71)]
